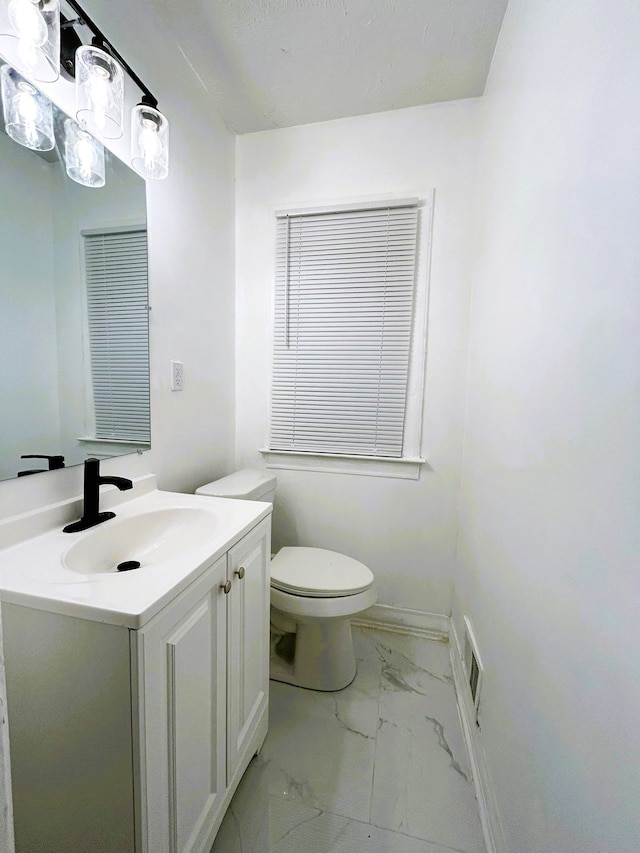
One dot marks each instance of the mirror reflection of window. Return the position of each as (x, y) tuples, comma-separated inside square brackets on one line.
[(117, 318)]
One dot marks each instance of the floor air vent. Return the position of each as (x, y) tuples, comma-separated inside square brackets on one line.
[(473, 666)]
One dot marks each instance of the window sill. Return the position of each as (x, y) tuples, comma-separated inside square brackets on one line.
[(402, 468), (87, 439), (104, 448)]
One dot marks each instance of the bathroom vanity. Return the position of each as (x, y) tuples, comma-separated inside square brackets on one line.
[(136, 699)]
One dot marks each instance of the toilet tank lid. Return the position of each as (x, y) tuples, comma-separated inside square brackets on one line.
[(248, 484)]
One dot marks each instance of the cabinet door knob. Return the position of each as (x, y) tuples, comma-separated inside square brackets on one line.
[(226, 586), (240, 572)]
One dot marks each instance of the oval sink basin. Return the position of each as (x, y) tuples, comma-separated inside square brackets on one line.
[(149, 538)]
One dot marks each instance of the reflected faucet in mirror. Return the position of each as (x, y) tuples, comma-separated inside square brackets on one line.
[(53, 463), (91, 514)]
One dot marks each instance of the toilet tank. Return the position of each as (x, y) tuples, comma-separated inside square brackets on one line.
[(250, 484)]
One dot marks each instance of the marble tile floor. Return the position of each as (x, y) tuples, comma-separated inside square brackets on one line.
[(379, 767)]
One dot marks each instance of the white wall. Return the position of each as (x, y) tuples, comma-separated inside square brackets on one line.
[(191, 244), (549, 532), (404, 530)]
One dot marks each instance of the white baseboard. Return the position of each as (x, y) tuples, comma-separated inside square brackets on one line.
[(487, 805), (434, 626)]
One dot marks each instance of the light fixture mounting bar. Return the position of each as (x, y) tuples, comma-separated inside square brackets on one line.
[(64, 24), (104, 42)]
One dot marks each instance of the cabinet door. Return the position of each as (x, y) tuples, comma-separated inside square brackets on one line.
[(248, 651), (181, 695)]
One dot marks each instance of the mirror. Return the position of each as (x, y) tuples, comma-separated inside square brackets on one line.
[(49, 373)]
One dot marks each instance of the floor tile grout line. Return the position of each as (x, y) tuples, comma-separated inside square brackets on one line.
[(375, 745), (370, 823)]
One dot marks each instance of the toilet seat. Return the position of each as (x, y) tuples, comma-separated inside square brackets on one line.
[(303, 608), (318, 573)]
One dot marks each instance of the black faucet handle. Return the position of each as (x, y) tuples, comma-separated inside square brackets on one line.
[(92, 472)]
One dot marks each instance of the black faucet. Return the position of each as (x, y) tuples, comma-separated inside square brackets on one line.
[(92, 482), (54, 462)]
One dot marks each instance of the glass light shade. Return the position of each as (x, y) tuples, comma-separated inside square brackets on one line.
[(83, 156), (28, 115), (30, 37), (149, 142), (99, 92)]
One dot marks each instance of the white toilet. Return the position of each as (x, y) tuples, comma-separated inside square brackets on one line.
[(314, 593)]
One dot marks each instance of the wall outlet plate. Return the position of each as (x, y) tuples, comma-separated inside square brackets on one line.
[(177, 375)]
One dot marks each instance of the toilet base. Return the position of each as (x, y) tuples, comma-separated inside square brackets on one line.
[(323, 657)]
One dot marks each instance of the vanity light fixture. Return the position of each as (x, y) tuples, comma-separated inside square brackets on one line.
[(99, 92), (28, 115), (30, 37), (149, 141), (83, 156), (99, 73)]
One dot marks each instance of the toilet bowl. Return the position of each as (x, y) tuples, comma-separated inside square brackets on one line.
[(314, 594)]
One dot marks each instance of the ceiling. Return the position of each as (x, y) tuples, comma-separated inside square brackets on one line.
[(278, 63)]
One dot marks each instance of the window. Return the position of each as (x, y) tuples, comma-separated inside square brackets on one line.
[(118, 320), (344, 314)]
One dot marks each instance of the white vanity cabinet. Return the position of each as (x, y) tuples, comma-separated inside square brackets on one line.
[(134, 740), (202, 694)]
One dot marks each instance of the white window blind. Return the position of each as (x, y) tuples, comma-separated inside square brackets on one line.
[(343, 318), (118, 317)]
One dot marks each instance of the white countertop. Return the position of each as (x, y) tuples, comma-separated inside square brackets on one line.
[(32, 572)]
